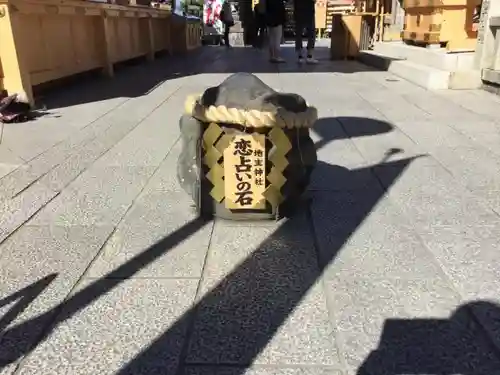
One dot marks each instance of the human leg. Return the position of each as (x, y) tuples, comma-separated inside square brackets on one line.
[(277, 42), (274, 43), (262, 35), (226, 35), (299, 29), (270, 42), (272, 34), (311, 38)]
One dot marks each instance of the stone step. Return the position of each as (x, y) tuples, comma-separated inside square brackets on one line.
[(465, 80), (427, 77), (435, 58), (422, 75), (491, 76)]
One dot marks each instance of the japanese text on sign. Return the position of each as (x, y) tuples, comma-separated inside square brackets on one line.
[(245, 172)]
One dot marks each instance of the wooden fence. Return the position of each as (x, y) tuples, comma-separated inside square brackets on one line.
[(45, 40)]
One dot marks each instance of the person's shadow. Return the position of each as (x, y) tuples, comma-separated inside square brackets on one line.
[(458, 345)]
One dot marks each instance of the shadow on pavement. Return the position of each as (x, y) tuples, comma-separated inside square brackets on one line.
[(436, 346), (134, 81), (234, 321), (341, 127), (19, 340), (22, 299)]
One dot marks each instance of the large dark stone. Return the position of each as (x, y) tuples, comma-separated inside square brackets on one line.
[(246, 91), (189, 164)]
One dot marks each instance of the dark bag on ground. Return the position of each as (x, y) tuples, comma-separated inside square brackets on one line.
[(13, 108)]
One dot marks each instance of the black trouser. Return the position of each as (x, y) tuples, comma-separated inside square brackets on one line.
[(305, 19), (260, 35), (226, 34)]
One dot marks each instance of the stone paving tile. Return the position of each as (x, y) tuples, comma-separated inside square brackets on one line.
[(328, 177), (100, 196), (9, 161), (433, 203), (481, 102), (453, 227), (471, 164), (161, 209), (106, 130), (460, 231), (392, 105), (393, 262), (148, 225), (338, 155), (374, 139), (86, 155), (60, 153), (483, 132), (28, 173), (445, 220), (8, 369), (407, 327), (70, 168), (441, 108), (42, 137), (148, 143), (382, 245), (261, 370), (261, 300), (17, 211), (164, 180), (47, 130), (144, 146), (356, 109), (134, 236), (42, 264), (393, 83), (102, 337)]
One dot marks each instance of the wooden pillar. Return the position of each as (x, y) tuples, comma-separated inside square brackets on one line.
[(108, 69), (16, 75), (151, 39)]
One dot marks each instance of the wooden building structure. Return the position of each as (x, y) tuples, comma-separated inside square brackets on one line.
[(448, 23), (46, 40)]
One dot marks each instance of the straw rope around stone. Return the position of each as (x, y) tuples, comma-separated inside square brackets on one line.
[(250, 118)]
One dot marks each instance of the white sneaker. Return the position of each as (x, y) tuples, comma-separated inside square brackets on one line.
[(301, 60), (311, 60)]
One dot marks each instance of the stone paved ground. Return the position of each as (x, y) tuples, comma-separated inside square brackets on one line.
[(393, 270)]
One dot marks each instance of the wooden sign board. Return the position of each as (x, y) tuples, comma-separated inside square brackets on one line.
[(245, 172)]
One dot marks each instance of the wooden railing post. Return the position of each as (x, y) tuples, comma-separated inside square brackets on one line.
[(16, 76), (108, 69), (151, 38), (169, 40)]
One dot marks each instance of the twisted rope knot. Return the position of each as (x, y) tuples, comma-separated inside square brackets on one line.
[(250, 118)]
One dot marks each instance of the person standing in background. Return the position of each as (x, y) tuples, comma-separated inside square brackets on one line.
[(226, 16), (304, 17), (259, 12), (275, 19)]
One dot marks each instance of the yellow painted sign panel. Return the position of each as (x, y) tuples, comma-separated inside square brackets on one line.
[(245, 172)]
